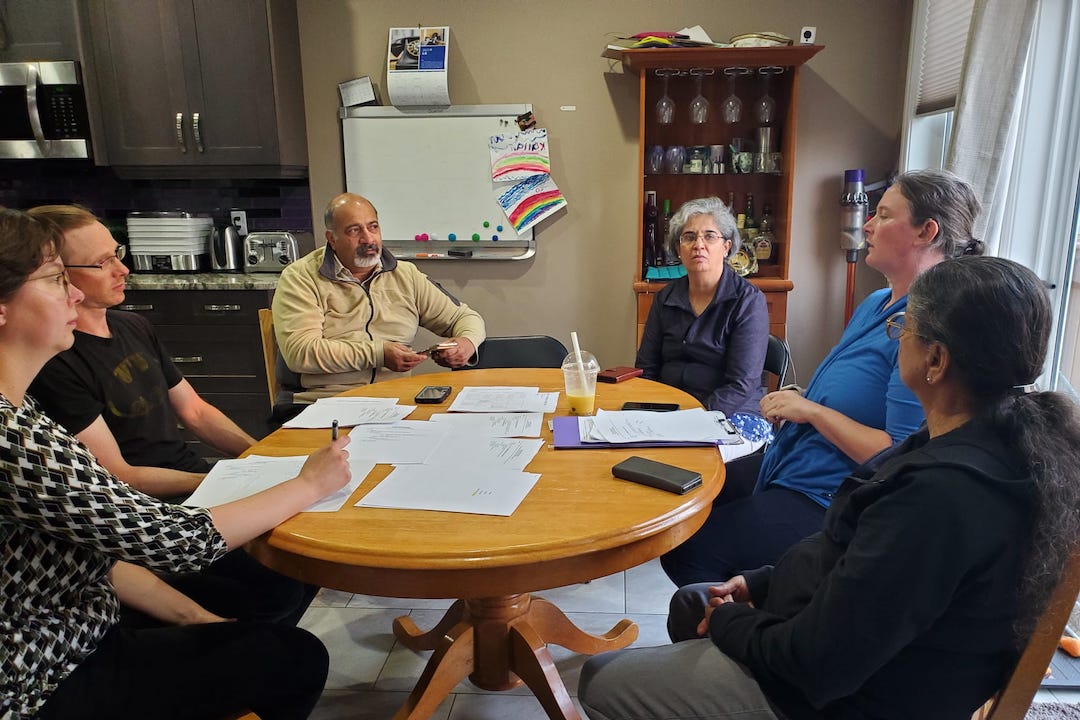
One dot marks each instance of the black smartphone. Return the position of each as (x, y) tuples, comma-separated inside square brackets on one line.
[(655, 407), (432, 394)]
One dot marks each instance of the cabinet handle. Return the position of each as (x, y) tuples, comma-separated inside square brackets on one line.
[(198, 133), (187, 359), (137, 308), (221, 308), (180, 132)]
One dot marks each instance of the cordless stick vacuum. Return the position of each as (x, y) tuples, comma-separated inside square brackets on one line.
[(853, 206)]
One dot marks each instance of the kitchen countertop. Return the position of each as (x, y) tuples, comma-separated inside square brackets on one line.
[(202, 281)]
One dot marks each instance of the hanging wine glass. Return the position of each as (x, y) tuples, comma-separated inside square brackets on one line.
[(765, 107), (731, 107), (699, 106), (665, 106)]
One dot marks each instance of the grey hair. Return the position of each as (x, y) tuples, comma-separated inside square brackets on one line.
[(715, 208), (949, 201)]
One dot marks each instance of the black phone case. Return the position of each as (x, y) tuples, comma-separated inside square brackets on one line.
[(657, 474), (433, 400)]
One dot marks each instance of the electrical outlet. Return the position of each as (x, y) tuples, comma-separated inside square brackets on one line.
[(239, 221)]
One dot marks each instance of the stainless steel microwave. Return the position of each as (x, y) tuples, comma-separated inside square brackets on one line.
[(43, 111)]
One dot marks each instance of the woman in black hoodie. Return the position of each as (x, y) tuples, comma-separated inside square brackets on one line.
[(935, 559)]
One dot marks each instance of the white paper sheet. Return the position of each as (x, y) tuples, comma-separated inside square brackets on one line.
[(231, 480), (322, 414), (479, 491), (504, 399), (694, 425), (405, 442), (493, 424), (476, 451)]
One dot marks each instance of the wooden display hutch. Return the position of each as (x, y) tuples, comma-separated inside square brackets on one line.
[(775, 189)]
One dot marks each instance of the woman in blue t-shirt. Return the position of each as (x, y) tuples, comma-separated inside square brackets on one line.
[(855, 405)]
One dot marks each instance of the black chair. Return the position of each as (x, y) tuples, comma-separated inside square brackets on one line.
[(777, 359), (519, 351)]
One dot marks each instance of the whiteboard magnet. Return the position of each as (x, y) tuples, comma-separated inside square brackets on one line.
[(568, 108)]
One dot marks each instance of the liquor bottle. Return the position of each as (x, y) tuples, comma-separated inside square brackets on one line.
[(665, 226), (652, 245), (750, 224), (763, 245)]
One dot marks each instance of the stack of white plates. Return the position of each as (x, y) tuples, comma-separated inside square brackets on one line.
[(173, 233)]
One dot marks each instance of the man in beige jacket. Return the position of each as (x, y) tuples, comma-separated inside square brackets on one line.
[(346, 314)]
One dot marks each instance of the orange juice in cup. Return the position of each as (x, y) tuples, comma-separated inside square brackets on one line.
[(579, 375)]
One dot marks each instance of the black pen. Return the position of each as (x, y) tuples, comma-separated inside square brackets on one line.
[(333, 431)]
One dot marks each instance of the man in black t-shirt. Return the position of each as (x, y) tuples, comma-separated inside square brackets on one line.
[(119, 393), (116, 389)]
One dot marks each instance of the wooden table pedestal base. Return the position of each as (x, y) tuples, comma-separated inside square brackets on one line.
[(499, 643)]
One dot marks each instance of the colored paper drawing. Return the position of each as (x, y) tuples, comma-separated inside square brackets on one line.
[(520, 155), (530, 201)]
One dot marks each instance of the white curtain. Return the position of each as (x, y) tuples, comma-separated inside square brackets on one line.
[(983, 141)]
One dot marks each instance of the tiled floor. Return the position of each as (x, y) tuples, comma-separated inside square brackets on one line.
[(371, 673)]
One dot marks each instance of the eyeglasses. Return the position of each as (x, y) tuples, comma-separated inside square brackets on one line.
[(895, 326), (118, 255), (711, 237), (60, 280)]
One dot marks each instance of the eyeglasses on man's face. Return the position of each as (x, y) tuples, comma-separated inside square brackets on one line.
[(118, 255), (711, 237), (59, 280)]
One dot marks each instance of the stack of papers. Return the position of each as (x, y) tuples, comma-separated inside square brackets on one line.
[(500, 399), (637, 428), (349, 411), (472, 463)]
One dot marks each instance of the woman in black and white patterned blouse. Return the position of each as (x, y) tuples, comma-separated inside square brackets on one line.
[(77, 542)]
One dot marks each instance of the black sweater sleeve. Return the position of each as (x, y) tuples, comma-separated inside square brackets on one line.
[(910, 552)]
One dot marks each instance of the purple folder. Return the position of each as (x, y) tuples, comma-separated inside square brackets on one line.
[(565, 434)]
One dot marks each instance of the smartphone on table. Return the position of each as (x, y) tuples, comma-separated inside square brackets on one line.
[(654, 407), (432, 394)]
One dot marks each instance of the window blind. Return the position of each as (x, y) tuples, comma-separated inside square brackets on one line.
[(941, 60)]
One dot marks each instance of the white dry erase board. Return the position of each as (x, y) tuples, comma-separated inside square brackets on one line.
[(428, 173)]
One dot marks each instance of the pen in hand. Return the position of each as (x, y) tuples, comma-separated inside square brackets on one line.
[(333, 430)]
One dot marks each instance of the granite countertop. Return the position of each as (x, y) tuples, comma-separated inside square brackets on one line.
[(202, 281)]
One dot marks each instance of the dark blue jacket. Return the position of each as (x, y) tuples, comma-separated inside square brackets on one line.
[(718, 356)]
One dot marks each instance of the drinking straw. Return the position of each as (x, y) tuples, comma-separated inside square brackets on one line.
[(577, 354)]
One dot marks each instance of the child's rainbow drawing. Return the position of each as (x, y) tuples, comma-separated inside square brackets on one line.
[(530, 201), (519, 156)]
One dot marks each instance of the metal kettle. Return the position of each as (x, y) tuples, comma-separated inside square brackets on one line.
[(227, 250)]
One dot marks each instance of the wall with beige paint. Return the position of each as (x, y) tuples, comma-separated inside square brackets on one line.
[(547, 52)]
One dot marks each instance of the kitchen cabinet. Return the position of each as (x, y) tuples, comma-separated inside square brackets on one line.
[(199, 82), (213, 337), (39, 30), (772, 188)]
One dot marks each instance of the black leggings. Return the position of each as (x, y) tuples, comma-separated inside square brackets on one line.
[(195, 672)]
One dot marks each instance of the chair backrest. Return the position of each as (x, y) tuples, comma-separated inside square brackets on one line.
[(1013, 701), (539, 351), (777, 358), (278, 375), (269, 348)]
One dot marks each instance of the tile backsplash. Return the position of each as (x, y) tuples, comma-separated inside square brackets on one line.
[(271, 204)]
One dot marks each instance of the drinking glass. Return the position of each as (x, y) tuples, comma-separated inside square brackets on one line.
[(665, 106), (699, 106), (765, 107), (731, 107)]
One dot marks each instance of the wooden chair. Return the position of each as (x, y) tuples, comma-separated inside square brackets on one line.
[(281, 382), (519, 351), (1013, 701)]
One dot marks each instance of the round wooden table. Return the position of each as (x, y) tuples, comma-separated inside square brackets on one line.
[(578, 523)]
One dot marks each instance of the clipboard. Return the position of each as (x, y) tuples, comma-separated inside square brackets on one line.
[(565, 436)]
